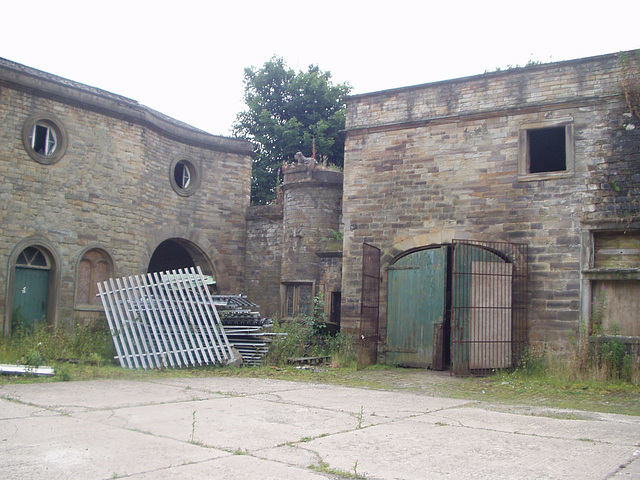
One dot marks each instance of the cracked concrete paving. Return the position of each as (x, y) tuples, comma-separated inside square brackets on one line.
[(238, 428)]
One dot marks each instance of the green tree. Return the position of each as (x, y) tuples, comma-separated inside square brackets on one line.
[(285, 112)]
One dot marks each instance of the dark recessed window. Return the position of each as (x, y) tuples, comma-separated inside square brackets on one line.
[(44, 138), (32, 257), (184, 177), (547, 151), (182, 174), (298, 299)]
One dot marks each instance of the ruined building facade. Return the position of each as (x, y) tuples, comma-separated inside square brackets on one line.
[(95, 185), (473, 216), (535, 171)]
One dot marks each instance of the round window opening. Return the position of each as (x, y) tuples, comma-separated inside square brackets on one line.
[(44, 138), (185, 177)]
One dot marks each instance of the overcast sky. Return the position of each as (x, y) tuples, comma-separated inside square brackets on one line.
[(186, 58)]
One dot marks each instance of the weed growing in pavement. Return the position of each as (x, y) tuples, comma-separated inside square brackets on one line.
[(323, 467), (360, 417), (193, 427)]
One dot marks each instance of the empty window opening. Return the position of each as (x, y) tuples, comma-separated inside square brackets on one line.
[(43, 139), (547, 150), (336, 301)]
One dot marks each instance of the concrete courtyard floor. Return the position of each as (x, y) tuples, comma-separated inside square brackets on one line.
[(239, 428)]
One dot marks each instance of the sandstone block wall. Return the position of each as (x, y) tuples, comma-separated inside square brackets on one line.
[(264, 257), (112, 190), (430, 163)]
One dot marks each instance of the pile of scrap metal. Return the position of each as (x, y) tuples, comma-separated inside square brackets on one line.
[(248, 333), (171, 319)]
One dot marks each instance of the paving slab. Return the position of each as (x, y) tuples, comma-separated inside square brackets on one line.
[(232, 423), (66, 447), (237, 428)]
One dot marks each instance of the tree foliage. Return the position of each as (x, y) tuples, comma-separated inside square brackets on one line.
[(285, 112)]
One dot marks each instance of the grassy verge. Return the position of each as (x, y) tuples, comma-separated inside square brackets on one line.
[(87, 354)]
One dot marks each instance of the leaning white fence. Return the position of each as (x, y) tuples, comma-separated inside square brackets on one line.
[(166, 319)]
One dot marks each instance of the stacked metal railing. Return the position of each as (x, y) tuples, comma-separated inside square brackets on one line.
[(246, 330), (164, 320)]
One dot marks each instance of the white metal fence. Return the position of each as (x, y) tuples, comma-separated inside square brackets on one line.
[(166, 319)]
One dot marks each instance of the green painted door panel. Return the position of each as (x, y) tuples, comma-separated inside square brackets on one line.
[(416, 303), (30, 295)]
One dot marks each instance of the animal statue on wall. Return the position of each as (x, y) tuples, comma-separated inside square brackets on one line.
[(302, 160)]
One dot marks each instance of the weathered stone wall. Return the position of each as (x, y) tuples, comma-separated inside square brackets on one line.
[(430, 163), (264, 257), (312, 207), (111, 190), (284, 240)]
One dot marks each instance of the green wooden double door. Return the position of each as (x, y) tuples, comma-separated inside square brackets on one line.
[(449, 305)]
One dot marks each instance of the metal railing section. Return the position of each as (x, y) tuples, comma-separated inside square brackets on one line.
[(162, 320)]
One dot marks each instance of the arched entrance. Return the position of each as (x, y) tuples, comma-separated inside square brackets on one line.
[(417, 306), (176, 253), (31, 287), (462, 304)]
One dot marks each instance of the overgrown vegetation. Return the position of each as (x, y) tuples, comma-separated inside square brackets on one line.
[(288, 112), (607, 381), (597, 359), (43, 344), (309, 336)]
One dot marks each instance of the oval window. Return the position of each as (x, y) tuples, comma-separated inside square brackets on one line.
[(44, 138), (185, 177)]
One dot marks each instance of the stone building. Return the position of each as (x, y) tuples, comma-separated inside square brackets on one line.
[(294, 248), (503, 206), (95, 185), (479, 214)]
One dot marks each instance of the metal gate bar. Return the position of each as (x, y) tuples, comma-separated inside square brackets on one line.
[(369, 306), (488, 305), (166, 319)]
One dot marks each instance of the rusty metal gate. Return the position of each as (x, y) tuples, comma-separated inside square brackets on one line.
[(489, 305), (369, 306)]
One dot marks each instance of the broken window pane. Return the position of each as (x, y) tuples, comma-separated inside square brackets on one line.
[(43, 139)]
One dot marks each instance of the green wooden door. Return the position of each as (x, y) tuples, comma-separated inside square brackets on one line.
[(30, 295), (416, 304)]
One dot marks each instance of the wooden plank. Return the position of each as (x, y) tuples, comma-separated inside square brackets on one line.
[(617, 250), (490, 320)]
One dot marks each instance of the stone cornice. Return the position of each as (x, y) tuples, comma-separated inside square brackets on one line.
[(483, 114), (35, 82)]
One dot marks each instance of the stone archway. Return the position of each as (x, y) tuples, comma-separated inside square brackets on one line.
[(32, 288), (176, 253)]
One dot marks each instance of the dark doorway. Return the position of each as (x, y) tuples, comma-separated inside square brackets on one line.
[(170, 255)]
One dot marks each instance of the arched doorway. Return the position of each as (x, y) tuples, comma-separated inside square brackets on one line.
[(417, 307), (176, 253), (31, 287), (461, 304)]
